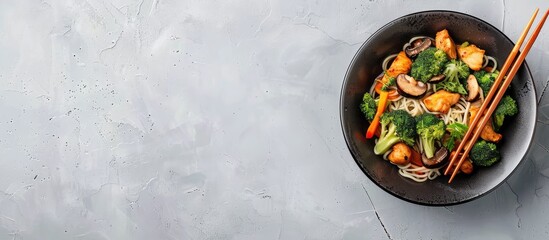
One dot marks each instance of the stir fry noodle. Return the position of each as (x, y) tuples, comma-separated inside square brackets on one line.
[(423, 102)]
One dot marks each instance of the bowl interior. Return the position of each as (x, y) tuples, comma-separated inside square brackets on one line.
[(366, 65)]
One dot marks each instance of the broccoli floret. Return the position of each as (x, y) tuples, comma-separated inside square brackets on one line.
[(428, 64), (457, 131), (396, 126), (486, 80), (391, 81), (484, 153), (506, 107), (430, 129), (455, 70), (368, 107)]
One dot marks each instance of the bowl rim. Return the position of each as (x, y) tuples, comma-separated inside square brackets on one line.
[(346, 135)]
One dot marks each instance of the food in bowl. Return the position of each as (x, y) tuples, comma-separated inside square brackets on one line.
[(421, 105), (518, 131)]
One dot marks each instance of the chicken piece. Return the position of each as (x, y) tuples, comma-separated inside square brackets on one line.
[(466, 167), (444, 42), (441, 101), (401, 64), (488, 132), (401, 154), (472, 56)]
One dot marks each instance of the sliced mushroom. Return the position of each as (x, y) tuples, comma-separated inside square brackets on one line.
[(437, 78), (417, 42), (418, 47), (472, 88), (436, 161), (407, 86)]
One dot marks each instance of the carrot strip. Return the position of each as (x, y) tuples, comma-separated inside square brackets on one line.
[(416, 158), (393, 95), (380, 109)]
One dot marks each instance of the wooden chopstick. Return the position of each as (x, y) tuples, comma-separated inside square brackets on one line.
[(491, 93), (500, 92)]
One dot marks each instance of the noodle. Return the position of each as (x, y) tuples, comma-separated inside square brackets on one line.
[(416, 173), (412, 106), (385, 155), (488, 59), (373, 90), (458, 113)]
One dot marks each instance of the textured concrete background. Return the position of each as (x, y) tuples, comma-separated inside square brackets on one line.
[(165, 119)]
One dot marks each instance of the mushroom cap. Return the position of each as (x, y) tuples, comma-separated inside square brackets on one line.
[(473, 88), (437, 78), (440, 158), (407, 86), (418, 46)]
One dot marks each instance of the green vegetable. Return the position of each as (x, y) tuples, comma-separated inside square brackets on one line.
[(396, 126), (430, 129), (506, 107), (391, 81), (486, 80), (457, 131), (428, 64), (455, 70), (484, 153), (368, 107)]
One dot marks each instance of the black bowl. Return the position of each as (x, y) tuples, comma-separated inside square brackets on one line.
[(366, 65)]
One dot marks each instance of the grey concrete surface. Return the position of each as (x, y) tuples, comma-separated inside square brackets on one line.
[(165, 119)]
